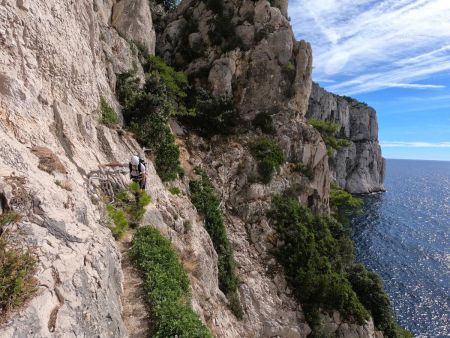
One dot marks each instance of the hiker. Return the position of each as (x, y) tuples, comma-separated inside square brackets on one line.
[(137, 171)]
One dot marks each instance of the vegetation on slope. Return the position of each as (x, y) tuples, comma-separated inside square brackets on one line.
[(17, 269), (214, 115), (127, 209), (166, 285), (205, 200), (147, 112), (109, 116), (317, 255), (329, 130), (369, 288), (343, 204), (264, 121), (269, 156), (314, 253)]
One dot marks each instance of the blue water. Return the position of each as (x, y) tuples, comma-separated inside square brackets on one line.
[(404, 235)]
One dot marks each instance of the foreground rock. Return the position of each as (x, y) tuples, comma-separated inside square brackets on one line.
[(57, 58)]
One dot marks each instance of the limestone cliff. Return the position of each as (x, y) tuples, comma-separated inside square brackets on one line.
[(57, 59), (360, 167)]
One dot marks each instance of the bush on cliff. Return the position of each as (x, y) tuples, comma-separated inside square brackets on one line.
[(167, 286), (269, 156), (17, 269), (343, 204), (215, 115), (147, 112), (314, 257), (369, 288), (328, 131), (264, 121), (109, 116), (205, 200), (128, 209), (317, 255)]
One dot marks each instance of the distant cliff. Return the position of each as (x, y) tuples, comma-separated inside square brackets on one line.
[(360, 167)]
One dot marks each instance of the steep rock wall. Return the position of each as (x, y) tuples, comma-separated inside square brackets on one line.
[(360, 167), (56, 59)]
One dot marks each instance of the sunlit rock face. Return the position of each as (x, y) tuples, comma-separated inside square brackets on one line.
[(360, 167)]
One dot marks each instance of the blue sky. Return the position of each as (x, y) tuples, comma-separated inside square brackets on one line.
[(392, 54)]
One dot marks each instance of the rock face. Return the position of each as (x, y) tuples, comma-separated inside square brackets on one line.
[(133, 20), (57, 59), (360, 167)]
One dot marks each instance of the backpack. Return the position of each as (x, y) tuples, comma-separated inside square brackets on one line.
[(141, 162)]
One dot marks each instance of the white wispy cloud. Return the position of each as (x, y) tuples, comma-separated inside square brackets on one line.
[(376, 44), (396, 144)]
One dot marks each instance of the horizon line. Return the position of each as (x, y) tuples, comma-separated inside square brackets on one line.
[(414, 159)]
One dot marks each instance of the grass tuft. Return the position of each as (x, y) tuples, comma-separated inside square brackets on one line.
[(109, 116)]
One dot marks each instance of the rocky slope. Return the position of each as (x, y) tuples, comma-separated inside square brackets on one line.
[(268, 72), (360, 167), (57, 58)]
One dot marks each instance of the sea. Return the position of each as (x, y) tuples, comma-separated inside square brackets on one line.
[(404, 235)]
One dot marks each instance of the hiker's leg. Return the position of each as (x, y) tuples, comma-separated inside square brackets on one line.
[(143, 182)]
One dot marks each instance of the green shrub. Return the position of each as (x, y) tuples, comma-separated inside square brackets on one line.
[(175, 84), (166, 285), (167, 161), (289, 71), (127, 88), (147, 112), (264, 122), (343, 204), (17, 282), (128, 209), (328, 131), (109, 116), (369, 288), (119, 219), (175, 191), (205, 200), (269, 156), (314, 260), (306, 171), (215, 114)]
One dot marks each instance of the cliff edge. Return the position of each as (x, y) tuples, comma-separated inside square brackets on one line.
[(360, 167)]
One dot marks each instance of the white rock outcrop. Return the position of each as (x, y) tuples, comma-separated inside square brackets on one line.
[(360, 167)]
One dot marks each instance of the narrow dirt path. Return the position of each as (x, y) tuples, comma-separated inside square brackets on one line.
[(135, 313)]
